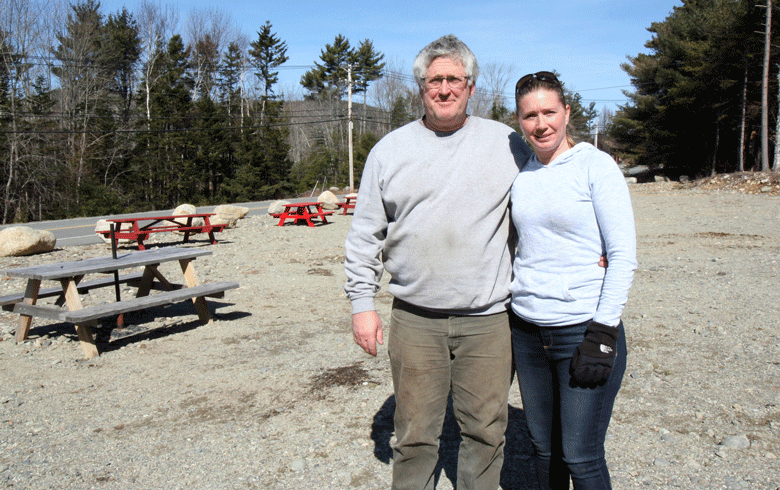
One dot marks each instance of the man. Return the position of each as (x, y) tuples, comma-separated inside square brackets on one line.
[(433, 213)]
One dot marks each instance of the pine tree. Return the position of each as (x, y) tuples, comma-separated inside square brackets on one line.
[(83, 80), (697, 91), (329, 79), (230, 81), (368, 67), (165, 155), (268, 53), (121, 52)]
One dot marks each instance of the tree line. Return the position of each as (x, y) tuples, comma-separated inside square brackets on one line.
[(103, 114), (699, 94), (124, 112)]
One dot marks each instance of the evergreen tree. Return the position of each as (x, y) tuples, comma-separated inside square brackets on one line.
[(686, 111), (368, 67), (262, 156), (329, 79), (231, 74), (268, 53), (83, 80), (165, 155), (121, 52)]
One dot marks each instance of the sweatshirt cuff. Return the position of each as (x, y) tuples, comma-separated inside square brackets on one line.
[(360, 305)]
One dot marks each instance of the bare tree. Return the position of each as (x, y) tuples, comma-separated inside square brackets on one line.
[(207, 33), (490, 96), (24, 37), (156, 26), (396, 90)]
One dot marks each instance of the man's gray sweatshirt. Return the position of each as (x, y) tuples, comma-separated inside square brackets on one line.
[(432, 210)]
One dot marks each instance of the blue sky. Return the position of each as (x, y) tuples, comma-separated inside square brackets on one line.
[(583, 40)]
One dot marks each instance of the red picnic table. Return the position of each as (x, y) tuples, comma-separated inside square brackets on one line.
[(130, 229), (305, 211), (349, 203)]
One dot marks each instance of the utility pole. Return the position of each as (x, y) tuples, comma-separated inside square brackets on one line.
[(596, 139), (765, 91), (777, 132), (349, 114)]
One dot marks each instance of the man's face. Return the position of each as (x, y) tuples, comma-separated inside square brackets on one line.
[(445, 106)]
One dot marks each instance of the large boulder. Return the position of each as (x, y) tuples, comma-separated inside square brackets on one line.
[(104, 226), (277, 207), (23, 240), (329, 200), (227, 214), (188, 209)]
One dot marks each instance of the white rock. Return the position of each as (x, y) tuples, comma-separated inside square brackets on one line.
[(16, 241), (103, 225), (277, 207), (328, 200), (228, 214), (187, 209), (738, 442)]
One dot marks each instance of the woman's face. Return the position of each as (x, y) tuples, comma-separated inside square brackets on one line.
[(543, 119)]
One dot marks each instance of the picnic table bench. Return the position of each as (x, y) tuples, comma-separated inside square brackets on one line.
[(69, 275), (132, 229), (303, 211)]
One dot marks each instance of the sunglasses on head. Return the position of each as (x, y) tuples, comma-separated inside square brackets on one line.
[(544, 76)]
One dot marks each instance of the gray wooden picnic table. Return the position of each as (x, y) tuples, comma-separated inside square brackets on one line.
[(70, 274)]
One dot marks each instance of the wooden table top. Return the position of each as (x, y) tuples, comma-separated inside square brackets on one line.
[(61, 270)]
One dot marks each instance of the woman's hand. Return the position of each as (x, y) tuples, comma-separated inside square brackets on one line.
[(593, 358)]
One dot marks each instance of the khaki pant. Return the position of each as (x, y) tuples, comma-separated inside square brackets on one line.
[(430, 355)]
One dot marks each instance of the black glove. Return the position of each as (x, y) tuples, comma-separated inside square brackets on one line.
[(593, 358)]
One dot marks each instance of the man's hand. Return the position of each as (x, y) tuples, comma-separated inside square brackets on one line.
[(367, 330)]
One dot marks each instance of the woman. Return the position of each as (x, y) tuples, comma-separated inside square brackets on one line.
[(570, 207)]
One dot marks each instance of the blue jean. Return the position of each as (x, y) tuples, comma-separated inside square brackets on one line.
[(567, 423), (432, 355)]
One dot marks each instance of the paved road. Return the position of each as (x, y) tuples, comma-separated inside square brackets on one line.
[(81, 231)]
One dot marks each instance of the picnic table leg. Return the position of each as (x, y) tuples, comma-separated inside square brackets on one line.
[(187, 233), (282, 218), (30, 297), (69, 286), (191, 279), (150, 274), (211, 230), (307, 217)]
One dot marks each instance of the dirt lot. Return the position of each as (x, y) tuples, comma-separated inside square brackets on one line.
[(275, 395)]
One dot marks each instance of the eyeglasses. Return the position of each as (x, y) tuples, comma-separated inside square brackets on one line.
[(544, 76), (456, 83)]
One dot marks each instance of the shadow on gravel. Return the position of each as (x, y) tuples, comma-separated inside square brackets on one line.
[(517, 473), (109, 337)]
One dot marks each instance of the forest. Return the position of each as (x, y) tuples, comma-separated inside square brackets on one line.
[(705, 95), (134, 111), (124, 111)]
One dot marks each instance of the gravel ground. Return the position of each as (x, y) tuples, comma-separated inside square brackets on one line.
[(275, 395)]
